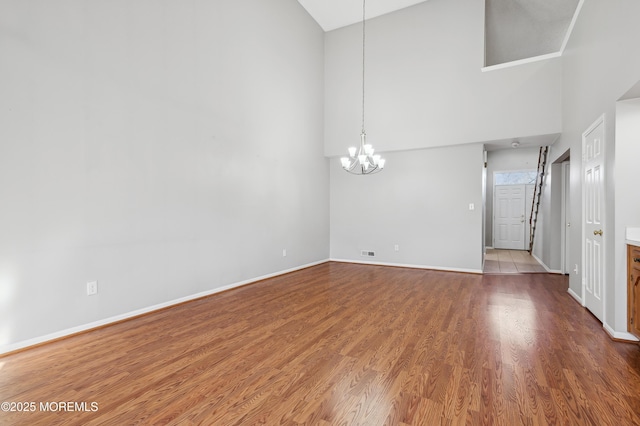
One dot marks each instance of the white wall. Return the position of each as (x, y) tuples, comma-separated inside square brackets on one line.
[(500, 161), (600, 64), (548, 239), (161, 148), (626, 173), (419, 202), (424, 84)]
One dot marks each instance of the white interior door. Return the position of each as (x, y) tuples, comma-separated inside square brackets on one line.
[(593, 217), (509, 217), (566, 219)]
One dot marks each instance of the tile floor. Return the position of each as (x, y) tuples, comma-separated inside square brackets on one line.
[(510, 262)]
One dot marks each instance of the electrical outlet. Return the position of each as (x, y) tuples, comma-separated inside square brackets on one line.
[(576, 269), (396, 247), (284, 252), (92, 288)]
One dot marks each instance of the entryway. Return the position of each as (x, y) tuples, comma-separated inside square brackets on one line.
[(511, 262)]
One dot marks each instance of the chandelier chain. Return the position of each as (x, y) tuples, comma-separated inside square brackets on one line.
[(362, 160), (363, 36)]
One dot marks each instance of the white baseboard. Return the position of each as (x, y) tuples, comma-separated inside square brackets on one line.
[(100, 323), (575, 296), (404, 265), (619, 335), (549, 270)]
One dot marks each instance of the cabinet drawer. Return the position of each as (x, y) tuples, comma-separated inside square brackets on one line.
[(634, 256), (633, 290)]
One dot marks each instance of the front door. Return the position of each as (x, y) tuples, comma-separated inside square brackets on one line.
[(593, 217), (509, 217)]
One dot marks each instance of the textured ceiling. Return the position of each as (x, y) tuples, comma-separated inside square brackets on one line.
[(520, 29)]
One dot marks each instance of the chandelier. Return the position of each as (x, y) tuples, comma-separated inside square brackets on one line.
[(362, 160)]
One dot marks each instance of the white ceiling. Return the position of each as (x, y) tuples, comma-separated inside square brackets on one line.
[(332, 14), (514, 29), (524, 142)]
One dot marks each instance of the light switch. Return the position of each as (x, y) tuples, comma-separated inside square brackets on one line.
[(472, 206)]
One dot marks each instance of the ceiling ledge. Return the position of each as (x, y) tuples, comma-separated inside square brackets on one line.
[(540, 57), (571, 25), (521, 62)]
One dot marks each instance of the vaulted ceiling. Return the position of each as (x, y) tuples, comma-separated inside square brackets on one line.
[(332, 14), (514, 29)]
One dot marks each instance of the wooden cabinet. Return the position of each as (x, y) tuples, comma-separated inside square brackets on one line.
[(633, 290)]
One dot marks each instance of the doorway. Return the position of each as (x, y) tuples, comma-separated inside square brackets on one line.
[(513, 197), (565, 216)]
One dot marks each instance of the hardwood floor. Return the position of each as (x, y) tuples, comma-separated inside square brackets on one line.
[(342, 344), (511, 262)]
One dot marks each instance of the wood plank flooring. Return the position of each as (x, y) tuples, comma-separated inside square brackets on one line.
[(511, 262), (342, 344)]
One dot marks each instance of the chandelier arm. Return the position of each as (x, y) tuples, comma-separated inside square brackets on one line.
[(360, 172), (371, 171)]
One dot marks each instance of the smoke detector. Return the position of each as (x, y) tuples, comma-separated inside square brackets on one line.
[(515, 144)]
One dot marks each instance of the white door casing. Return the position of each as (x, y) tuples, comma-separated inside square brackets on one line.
[(593, 208), (509, 217)]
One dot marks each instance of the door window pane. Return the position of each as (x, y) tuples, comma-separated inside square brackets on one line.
[(515, 178)]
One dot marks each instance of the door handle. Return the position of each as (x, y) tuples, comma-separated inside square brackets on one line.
[(636, 259), (598, 232)]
